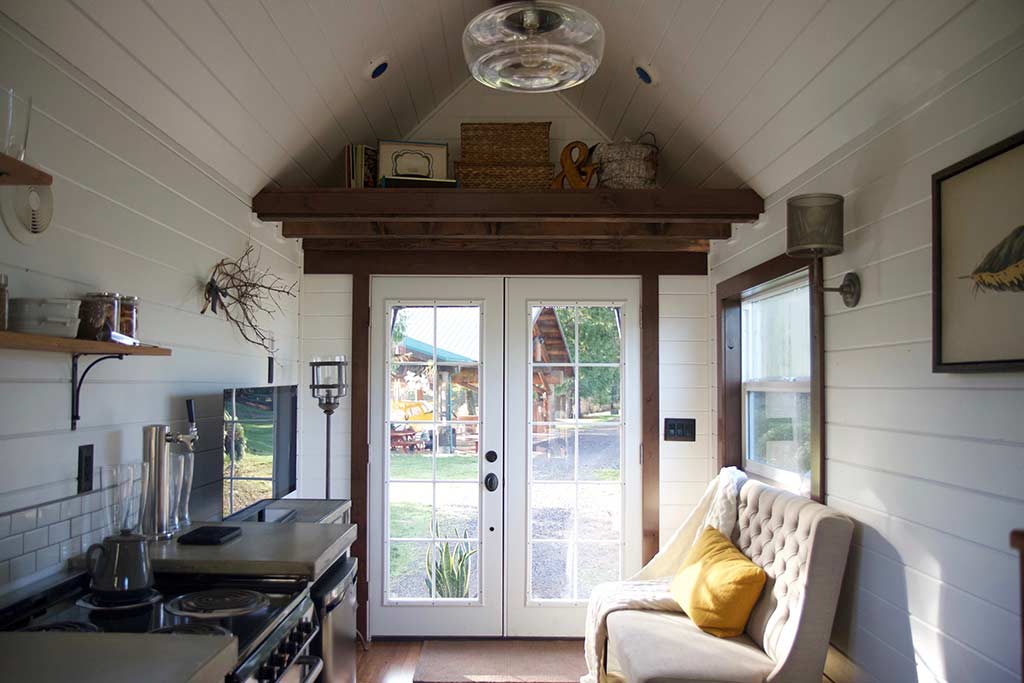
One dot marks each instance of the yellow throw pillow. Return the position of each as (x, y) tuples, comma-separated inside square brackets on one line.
[(718, 585)]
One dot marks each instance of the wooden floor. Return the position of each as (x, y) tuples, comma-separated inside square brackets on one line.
[(389, 661), (395, 662)]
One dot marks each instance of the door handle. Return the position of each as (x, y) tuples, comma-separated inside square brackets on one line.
[(491, 482)]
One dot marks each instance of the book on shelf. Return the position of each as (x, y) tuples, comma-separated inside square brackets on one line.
[(360, 166)]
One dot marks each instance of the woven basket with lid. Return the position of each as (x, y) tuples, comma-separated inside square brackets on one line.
[(505, 176)]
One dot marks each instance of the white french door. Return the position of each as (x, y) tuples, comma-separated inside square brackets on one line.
[(572, 387), (504, 452)]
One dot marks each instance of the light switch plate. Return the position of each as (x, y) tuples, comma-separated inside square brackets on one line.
[(85, 468)]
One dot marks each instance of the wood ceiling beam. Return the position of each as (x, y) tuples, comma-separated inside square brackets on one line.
[(676, 244), (311, 230), (675, 205), (504, 263)]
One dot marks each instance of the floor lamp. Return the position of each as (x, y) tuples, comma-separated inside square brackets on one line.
[(328, 387)]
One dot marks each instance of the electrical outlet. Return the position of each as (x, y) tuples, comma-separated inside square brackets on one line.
[(85, 468), (680, 429)]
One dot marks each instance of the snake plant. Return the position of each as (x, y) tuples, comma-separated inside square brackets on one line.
[(448, 568)]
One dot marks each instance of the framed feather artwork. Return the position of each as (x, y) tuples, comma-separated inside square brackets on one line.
[(978, 261)]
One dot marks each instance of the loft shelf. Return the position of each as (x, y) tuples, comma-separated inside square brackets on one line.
[(81, 347), (660, 206), (14, 172), (77, 348)]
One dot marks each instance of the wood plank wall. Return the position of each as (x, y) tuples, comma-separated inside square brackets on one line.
[(930, 466)]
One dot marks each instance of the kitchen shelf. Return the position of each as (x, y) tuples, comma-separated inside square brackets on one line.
[(80, 347), (77, 348), (14, 172)]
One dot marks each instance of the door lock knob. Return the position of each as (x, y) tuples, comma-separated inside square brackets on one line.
[(491, 482)]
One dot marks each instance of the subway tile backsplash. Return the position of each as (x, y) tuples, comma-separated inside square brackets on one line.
[(38, 541)]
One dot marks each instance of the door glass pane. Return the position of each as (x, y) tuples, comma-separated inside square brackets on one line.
[(411, 451), (412, 333), (554, 393), (552, 511), (554, 334), (412, 392), (551, 571), (434, 431), (600, 394), (575, 490), (410, 510), (458, 510), (600, 456), (458, 334), (458, 389), (553, 452), (458, 454), (600, 334), (596, 563), (407, 575)]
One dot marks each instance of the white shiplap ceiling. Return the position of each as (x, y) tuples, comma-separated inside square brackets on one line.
[(750, 91)]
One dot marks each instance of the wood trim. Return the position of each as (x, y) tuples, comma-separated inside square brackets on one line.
[(1017, 542), (651, 418), (492, 230), (730, 362), (359, 391), (476, 244), (938, 365), (675, 205), (505, 263)]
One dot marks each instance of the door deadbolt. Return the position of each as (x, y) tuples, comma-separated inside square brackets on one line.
[(491, 456)]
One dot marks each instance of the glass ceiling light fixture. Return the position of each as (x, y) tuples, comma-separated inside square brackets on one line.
[(814, 229), (328, 387), (533, 47)]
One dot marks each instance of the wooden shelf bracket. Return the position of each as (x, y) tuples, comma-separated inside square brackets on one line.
[(77, 382)]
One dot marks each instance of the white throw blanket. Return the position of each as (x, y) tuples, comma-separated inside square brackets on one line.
[(648, 589)]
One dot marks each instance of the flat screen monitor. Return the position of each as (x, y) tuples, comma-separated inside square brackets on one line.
[(259, 445)]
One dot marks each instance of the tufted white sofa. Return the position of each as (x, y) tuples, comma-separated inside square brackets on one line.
[(802, 546)]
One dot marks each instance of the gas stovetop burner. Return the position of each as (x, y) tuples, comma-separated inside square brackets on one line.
[(65, 627), (96, 601), (195, 629), (217, 603)]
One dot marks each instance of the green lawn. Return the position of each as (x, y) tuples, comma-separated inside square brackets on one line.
[(259, 438), (449, 467)]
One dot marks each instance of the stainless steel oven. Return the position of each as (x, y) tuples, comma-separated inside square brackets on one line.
[(334, 596)]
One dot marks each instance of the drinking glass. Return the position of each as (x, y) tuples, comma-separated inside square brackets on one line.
[(17, 116)]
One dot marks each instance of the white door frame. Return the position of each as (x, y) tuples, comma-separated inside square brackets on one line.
[(481, 617), (564, 619)]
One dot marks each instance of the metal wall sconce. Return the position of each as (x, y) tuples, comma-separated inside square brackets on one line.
[(328, 387), (814, 229)]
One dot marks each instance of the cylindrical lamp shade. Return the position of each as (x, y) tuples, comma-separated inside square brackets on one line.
[(328, 378), (814, 225)]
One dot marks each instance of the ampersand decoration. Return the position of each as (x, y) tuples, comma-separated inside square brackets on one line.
[(575, 169)]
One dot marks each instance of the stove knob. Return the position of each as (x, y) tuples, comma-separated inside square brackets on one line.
[(289, 647), (268, 673), (278, 660), (306, 627)]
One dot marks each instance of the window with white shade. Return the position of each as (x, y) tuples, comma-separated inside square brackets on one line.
[(776, 381)]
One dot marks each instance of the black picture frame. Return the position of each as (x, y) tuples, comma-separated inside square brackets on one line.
[(938, 363)]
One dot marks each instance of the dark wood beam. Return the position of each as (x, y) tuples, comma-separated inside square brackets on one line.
[(505, 263), (490, 229), (673, 205), (650, 415), (421, 244), (359, 390)]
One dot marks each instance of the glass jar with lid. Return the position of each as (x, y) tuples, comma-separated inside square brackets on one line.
[(99, 315), (129, 316)]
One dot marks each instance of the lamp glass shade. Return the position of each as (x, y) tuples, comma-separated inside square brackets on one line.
[(328, 377), (814, 226), (533, 46)]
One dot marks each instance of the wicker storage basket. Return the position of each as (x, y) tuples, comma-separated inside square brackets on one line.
[(521, 176), (502, 143), (627, 165)]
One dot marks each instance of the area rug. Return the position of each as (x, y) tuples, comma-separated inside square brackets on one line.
[(501, 661)]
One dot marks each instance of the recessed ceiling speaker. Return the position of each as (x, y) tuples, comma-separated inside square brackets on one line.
[(27, 211)]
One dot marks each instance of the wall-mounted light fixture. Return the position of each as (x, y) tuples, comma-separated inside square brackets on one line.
[(814, 230), (328, 387)]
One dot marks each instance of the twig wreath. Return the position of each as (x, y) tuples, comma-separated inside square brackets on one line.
[(244, 291)]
